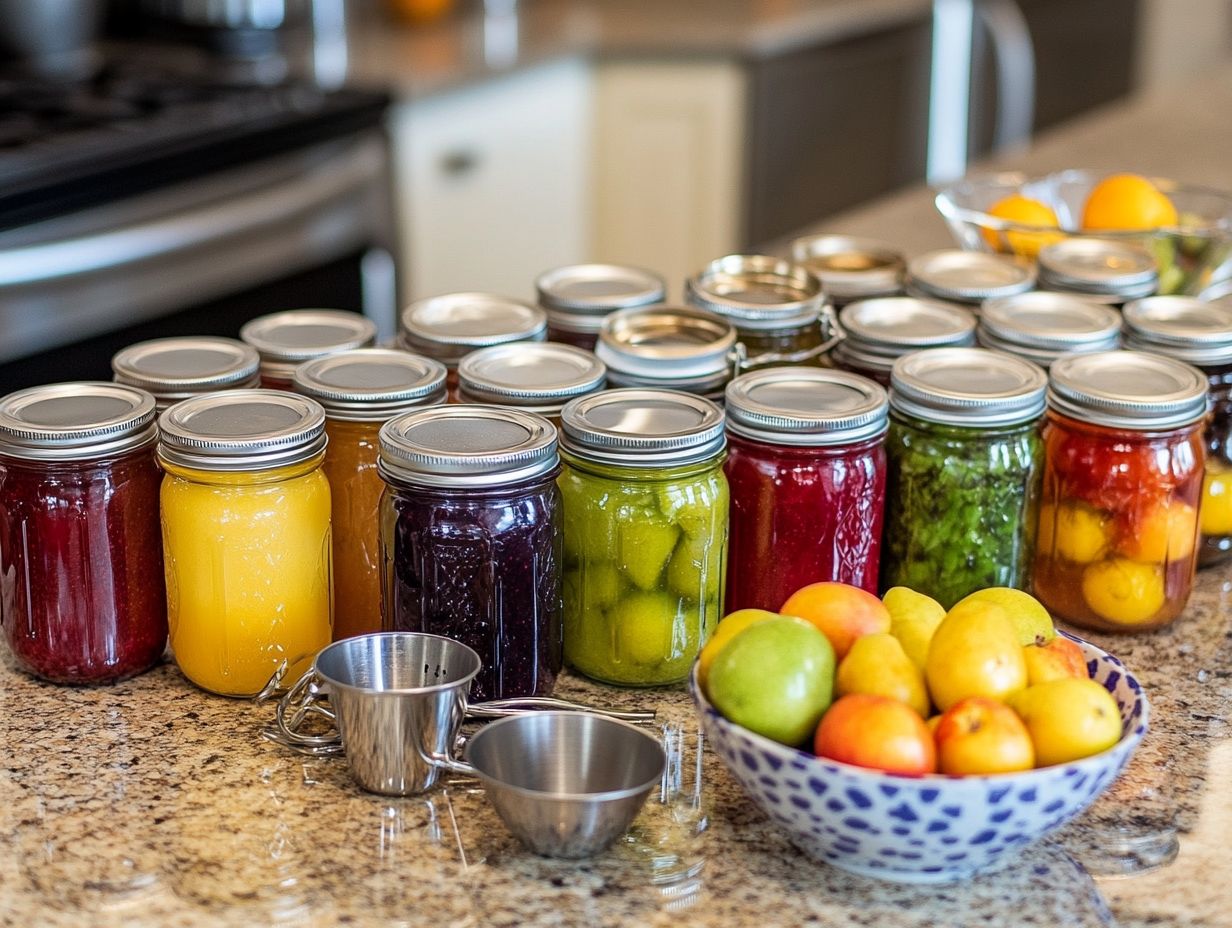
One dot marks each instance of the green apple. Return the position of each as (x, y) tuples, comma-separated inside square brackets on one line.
[(776, 678)]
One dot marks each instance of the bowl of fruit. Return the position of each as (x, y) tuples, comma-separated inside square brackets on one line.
[(1186, 229), (893, 739)]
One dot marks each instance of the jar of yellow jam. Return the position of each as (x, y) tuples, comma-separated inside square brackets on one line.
[(246, 537), (361, 390)]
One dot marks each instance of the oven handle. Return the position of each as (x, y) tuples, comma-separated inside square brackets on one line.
[(43, 263)]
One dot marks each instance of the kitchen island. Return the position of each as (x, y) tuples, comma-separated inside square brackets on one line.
[(152, 803)]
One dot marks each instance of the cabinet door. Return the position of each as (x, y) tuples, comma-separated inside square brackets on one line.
[(668, 162), (492, 182)]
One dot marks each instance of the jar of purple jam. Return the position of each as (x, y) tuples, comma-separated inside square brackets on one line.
[(80, 544), (471, 539)]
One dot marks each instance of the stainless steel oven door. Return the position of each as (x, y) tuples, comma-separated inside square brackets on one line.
[(136, 259)]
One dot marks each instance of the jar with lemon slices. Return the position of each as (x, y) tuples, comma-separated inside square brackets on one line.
[(1117, 544)]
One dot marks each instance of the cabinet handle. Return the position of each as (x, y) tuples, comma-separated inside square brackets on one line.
[(459, 163)]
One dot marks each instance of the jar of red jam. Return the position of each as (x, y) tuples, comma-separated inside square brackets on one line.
[(1199, 333), (578, 297), (878, 332), (471, 539), (806, 468), (287, 339), (80, 545), (1118, 527)]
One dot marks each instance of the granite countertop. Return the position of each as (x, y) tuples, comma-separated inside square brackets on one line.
[(469, 46)]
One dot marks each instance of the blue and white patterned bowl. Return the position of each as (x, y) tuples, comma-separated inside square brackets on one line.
[(930, 829)]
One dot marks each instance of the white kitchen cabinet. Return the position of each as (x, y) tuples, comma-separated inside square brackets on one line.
[(493, 181), (669, 162)]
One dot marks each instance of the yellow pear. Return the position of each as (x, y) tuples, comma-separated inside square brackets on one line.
[(877, 666), (974, 652), (1030, 619), (1068, 719), (913, 619)]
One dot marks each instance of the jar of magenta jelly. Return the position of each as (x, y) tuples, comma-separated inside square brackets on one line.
[(80, 549), (806, 469), (471, 539), (1118, 526)]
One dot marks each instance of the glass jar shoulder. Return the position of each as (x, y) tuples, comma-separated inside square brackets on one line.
[(965, 455)]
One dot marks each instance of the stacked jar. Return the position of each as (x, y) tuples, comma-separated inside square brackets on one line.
[(246, 537), (80, 552), (645, 533), (361, 390), (806, 467), (471, 539), (876, 333), (964, 459), (286, 340), (1118, 527), (578, 297), (1199, 333), (173, 369), (538, 377), (668, 347), (1041, 327)]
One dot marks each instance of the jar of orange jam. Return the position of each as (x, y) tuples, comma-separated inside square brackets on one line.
[(246, 537), (361, 390), (1117, 544)]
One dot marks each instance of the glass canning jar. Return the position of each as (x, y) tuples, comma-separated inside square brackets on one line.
[(878, 332), (806, 466), (471, 539), (668, 347), (1118, 527), (539, 377), (850, 268), (246, 537), (646, 506), (287, 339), (173, 369), (84, 600), (1041, 326), (964, 458), (576, 298), (360, 390), (1199, 333)]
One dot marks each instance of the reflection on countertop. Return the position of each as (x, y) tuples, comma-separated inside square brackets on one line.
[(469, 46)]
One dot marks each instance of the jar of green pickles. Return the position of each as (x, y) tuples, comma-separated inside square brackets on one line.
[(645, 506), (964, 457)]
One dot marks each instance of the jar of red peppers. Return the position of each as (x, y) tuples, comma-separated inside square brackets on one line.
[(80, 544), (1199, 333), (806, 468), (1118, 526), (578, 297), (287, 339), (471, 539)]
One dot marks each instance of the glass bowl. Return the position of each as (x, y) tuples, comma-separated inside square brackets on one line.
[(1188, 254)]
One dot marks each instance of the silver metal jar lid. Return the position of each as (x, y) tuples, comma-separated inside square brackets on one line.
[(448, 327), (1098, 266), (967, 276), (850, 268), (289, 338), (876, 332), (757, 292), (578, 296), (242, 430), (541, 376), (666, 346), (1181, 327), (1041, 326), (464, 445), (173, 369), (967, 386), (371, 384), (1127, 389), (71, 421), (643, 428), (806, 406)]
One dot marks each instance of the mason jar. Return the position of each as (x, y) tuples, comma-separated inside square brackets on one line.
[(287, 339), (576, 298), (246, 537), (806, 467), (964, 457), (1198, 333), (360, 390), (84, 600), (777, 308), (850, 268), (969, 277), (539, 377), (1040, 326), (1118, 527), (645, 532), (1101, 270), (878, 332), (668, 347), (471, 539), (173, 369)]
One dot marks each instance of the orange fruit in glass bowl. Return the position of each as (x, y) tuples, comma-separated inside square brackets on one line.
[(1127, 202), (1023, 211)]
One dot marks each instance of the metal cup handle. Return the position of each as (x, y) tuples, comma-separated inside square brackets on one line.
[(303, 699), (831, 335)]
